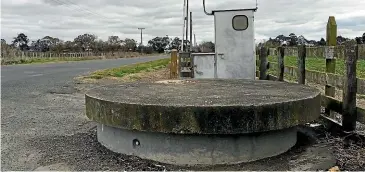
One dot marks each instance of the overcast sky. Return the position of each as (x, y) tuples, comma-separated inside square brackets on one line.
[(67, 19)]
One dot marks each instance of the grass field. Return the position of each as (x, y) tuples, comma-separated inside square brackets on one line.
[(130, 69), (319, 64)]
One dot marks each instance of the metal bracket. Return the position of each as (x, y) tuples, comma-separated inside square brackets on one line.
[(221, 55), (329, 52)]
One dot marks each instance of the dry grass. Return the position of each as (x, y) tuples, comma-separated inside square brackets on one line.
[(148, 71), (28, 60)]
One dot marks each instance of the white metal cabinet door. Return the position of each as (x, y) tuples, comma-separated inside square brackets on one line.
[(204, 65), (238, 47)]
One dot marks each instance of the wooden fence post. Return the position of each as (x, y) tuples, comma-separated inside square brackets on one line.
[(301, 64), (173, 65), (281, 66), (330, 61), (263, 63), (349, 114)]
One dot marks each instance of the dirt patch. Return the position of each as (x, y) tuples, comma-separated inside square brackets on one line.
[(82, 152)]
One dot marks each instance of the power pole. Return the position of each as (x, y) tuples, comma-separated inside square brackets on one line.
[(141, 39)]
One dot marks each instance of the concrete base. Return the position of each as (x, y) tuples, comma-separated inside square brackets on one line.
[(186, 149)]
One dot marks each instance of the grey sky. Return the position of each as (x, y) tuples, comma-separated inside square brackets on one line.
[(66, 19)]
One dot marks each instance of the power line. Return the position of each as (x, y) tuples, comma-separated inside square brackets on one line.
[(69, 4), (85, 9)]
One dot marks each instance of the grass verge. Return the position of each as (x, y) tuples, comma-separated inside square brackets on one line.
[(64, 59), (47, 60), (130, 69)]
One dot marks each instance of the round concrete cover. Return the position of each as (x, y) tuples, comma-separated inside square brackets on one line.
[(209, 106)]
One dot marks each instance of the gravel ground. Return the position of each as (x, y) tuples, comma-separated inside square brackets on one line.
[(62, 138), (297, 158)]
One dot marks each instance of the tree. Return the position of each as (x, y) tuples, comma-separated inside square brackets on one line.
[(363, 37), (39, 45), (322, 42), (159, 44), (5, 48), (207, 47), (271, 43), (21, 41), (114, 43), (130, 44), (85, 42), (146, 49), (101, 46), (341, 40), (358, 40), (293, 39), (175, 44)]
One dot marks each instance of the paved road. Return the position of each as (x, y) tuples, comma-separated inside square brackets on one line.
[(40, 104)]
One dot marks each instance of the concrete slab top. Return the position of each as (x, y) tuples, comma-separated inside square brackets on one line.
[(243, 105), (204, 93)]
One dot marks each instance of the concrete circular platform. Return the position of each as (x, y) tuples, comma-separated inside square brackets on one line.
[(211, 121)]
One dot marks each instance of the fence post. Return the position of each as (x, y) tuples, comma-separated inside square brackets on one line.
[(349, 114), (263, 63), (173, 65), (330, 61), (281, 63), (301, 64)]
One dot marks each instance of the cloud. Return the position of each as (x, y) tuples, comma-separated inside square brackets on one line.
[(67, 19)]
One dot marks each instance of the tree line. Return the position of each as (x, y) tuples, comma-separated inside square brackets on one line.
[(90, 43), (294, 40)]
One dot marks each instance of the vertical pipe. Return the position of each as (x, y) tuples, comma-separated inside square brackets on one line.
[(194, 40), (187, 23), (183, 33), (191, 32)]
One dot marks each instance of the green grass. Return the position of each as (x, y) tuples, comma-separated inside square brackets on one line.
[(319, 64), (131, 69)]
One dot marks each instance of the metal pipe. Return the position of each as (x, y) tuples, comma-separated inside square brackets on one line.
[(187, 24), (205, 10), (183, 33), (191, 31)]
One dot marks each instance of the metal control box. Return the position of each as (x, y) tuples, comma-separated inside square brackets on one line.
[(234, 56)]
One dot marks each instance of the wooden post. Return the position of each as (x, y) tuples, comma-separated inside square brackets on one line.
[(281, 66), (173, 65), (301, 64), (263, 63), (330, 61), (349, 114)]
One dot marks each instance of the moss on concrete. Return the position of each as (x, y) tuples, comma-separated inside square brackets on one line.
[(188, 116)]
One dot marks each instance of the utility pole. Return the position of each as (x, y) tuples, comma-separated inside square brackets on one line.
[(141, 39)]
